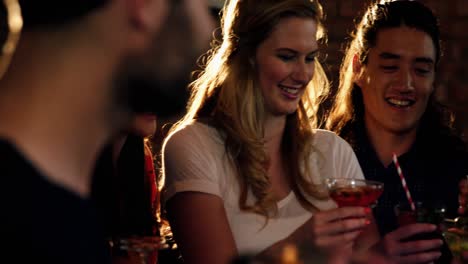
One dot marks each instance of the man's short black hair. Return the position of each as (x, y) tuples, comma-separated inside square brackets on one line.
[(55, 12)]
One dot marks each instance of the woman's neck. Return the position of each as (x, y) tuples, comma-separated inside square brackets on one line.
[(274, 131), (279, 179)]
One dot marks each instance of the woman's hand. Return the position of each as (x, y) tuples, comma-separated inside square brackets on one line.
[(338, 228), (396, 247), (330, 234)]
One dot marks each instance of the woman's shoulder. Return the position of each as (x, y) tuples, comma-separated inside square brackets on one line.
[(331, 146), (193, 137), (194, 131), (334, 156), (328, 139)]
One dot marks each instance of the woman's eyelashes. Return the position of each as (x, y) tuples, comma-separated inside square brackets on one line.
[(286, 57), (292, 57)]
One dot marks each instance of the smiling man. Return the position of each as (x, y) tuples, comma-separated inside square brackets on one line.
[(396, 85), (385, 104)]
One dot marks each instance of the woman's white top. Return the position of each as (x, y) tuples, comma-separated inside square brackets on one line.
[(194, 159)]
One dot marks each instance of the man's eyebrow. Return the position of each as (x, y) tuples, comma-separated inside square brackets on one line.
[(393, 56), (388, 55), (426, 60)]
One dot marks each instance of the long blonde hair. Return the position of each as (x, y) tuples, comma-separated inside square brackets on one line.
[(227, 93)]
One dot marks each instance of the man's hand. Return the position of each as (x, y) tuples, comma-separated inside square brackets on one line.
[(395, 245)]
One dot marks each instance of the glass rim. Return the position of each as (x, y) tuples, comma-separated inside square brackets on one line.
[(132, 241), (365, 181)]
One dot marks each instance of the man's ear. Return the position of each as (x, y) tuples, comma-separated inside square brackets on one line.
[(147, 15), (357, 70)]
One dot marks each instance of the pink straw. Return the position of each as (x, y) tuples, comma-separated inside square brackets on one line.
[(403, 182)]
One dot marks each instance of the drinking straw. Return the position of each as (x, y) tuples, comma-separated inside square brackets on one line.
[(403, 182)]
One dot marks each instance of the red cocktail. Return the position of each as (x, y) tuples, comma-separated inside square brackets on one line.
[(353, 192)]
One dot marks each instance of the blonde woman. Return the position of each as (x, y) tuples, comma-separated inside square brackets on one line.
[(244, 168)]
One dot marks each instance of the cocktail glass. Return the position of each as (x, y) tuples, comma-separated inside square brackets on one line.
[(354, 192), (144, 246), (422, 213)]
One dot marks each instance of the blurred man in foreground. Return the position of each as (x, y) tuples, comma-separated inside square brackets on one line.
[(62, 98)]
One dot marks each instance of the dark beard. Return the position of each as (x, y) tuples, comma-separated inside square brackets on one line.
[(139, 90), (156, 82), (162, 98)]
